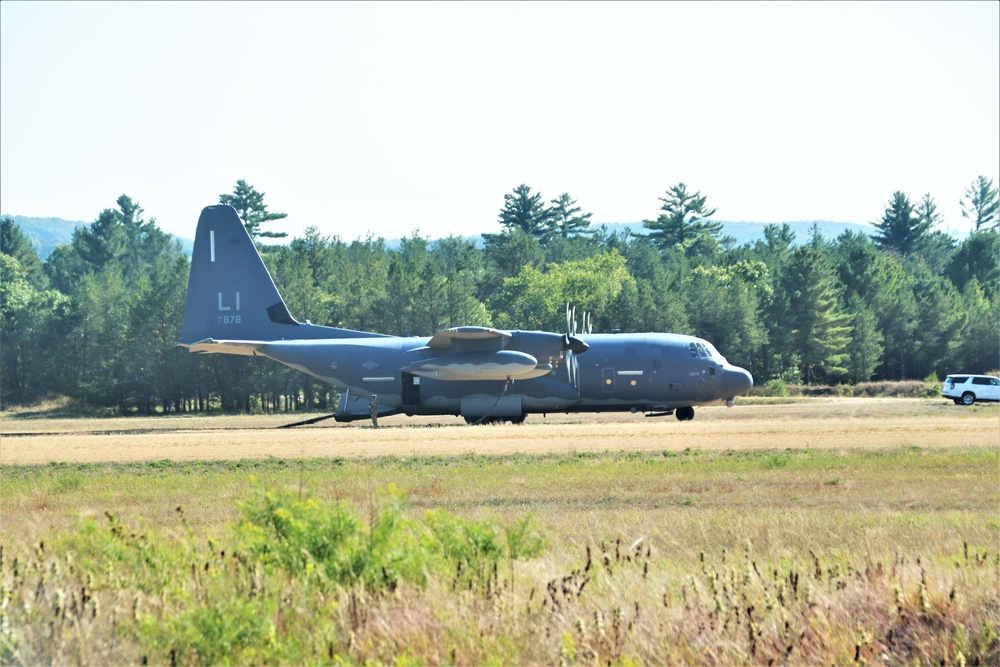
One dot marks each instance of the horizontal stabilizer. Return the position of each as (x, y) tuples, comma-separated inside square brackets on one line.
[(249, 348)]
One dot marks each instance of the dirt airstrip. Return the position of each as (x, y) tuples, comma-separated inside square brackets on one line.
[(27, 439)]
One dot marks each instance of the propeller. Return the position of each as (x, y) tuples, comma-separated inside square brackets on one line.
[(574, 345)]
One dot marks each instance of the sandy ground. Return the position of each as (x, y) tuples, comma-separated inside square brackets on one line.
[(813, 423)]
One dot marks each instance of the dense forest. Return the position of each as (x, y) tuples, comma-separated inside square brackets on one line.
[(98, 320)]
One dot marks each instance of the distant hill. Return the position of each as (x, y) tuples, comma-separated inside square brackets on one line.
[(743, 232), (46, 233), (748, 232)]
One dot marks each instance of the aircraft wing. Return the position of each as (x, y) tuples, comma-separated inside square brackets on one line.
[(484, 353), (470, 339), (248, 348)]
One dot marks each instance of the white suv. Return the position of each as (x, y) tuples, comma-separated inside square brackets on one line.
[(967, 389)]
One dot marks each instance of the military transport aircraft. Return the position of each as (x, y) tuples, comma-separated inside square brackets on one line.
[(480, 373)]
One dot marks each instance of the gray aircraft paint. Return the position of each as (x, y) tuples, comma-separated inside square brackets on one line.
[(233, 307)]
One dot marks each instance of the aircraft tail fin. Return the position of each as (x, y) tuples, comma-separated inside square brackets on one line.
[(231, 296)]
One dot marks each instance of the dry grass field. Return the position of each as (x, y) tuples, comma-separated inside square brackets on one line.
[(802, 531), (819, 423)]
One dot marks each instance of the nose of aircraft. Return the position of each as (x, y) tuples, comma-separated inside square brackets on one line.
[(735, 381)]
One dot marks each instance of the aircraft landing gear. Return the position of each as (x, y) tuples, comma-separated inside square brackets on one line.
[(684, 414), (476, 421)]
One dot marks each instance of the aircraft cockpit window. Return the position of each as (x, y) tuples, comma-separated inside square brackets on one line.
[(693, 350), (702, 351), (712, 352)]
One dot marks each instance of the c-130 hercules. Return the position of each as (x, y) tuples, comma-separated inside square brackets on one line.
[(479, 373)]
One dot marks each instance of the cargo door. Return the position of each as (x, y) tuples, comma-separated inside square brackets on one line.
[(411, 389)]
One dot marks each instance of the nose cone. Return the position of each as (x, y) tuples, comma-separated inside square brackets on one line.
[(735, 381)]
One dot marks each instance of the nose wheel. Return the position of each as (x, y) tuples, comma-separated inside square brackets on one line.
[(684, 414)]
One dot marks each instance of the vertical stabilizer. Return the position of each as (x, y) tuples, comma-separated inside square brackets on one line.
[(231, 295)]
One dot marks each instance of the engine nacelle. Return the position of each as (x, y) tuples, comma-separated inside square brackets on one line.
[(498, 365)]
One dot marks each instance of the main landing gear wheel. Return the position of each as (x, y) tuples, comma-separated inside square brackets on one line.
[(475, 421), (684, 414)]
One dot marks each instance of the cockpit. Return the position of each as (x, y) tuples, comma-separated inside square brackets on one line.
[(702, 349)]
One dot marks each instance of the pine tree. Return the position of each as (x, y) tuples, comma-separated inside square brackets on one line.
[(506, 254), (252, 210), (865, 349), (977, 257), (938, 320), (927, 211), (901, 228), (778, 359), (15, 244), (981, 204), (819, 329), (566, 218), (526, 212), (683, 222), (977, 350), (32, 324)]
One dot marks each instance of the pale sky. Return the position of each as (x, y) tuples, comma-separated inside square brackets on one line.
[(391, 118)]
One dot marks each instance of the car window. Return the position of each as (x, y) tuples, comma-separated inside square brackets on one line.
[(981, 381), (959, 379), (995, 381)]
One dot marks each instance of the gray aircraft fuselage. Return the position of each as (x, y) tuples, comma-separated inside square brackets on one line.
[(479, 373)]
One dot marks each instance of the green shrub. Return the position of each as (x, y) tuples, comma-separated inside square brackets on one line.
[(775, 387), (226, 629), (331, 542), (933, 389), (473, 550)]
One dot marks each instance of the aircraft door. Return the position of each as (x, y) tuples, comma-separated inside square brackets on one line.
[(608, 380), (411, 389)]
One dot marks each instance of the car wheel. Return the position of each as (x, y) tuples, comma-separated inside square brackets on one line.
[(968, 398)]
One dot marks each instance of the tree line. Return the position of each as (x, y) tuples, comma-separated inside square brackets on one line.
[(98, 321)]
